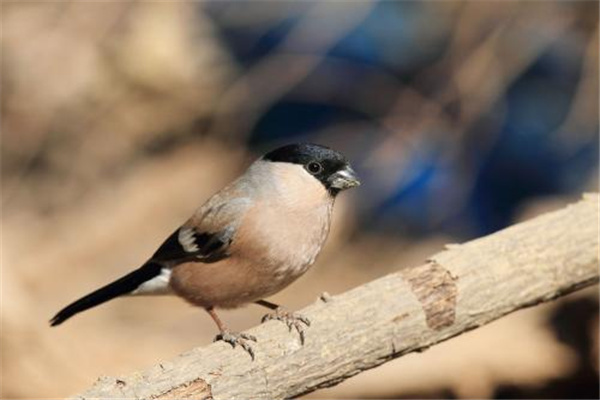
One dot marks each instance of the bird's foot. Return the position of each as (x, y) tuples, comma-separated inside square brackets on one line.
[(291, 319), (235, 338)]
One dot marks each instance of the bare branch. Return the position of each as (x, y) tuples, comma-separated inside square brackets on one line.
[(457, 290)]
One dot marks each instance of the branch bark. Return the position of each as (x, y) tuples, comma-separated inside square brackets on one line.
[(457, 290)]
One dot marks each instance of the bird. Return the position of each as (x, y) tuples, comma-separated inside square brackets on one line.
[(247, 242)]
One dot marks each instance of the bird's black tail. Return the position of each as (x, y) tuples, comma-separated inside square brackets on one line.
[(121, 286)]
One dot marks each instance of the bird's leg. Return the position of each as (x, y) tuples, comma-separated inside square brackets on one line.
[(291, 319), (233, 338)]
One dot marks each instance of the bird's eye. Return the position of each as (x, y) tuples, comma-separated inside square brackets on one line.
[(314, 167)]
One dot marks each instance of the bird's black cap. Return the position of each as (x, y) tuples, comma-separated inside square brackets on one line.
[(320, 161), (302, 153)]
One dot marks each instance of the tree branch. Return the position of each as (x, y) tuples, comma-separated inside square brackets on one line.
[(457, 290)]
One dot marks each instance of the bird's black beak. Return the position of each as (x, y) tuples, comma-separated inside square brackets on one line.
[(344, 179)]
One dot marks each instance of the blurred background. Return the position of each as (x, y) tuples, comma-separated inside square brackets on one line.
[(118, 119)]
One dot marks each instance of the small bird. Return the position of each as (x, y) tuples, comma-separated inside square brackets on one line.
[(248, 241)]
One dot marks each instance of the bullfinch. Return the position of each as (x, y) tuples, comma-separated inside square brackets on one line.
[(248, 241)]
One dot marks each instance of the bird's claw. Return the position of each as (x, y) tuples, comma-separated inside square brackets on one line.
[(235, 338), (291, 319)]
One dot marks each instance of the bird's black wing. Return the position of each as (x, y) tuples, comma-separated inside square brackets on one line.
[(207, 241), (186, 244), (207, 235)]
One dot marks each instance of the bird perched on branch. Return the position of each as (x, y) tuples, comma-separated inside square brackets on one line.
[(248, 241)]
